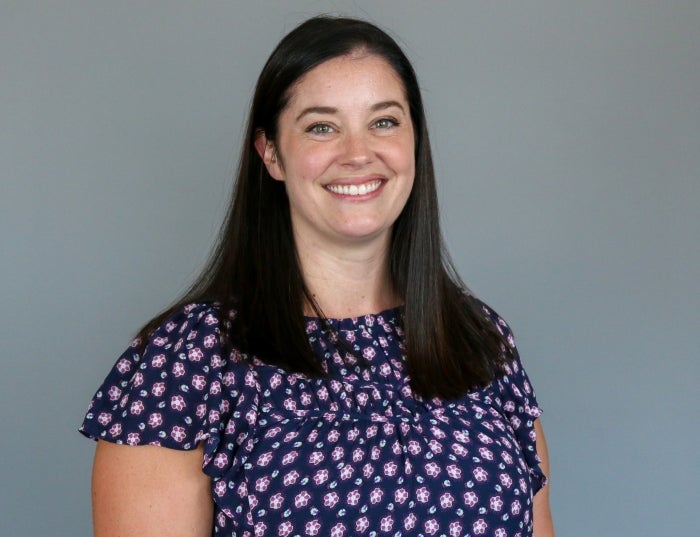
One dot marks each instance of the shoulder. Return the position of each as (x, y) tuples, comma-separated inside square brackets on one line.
[(494, 318)]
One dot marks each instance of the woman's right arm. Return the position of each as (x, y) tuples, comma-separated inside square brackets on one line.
[(152, 491)]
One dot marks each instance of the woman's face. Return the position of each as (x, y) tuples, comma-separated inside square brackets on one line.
[(345, 151)]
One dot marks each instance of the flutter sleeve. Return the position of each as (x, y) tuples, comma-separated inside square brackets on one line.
[(519, 402), (169, 393)]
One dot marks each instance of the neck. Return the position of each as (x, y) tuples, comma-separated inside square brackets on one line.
[(348, 282)]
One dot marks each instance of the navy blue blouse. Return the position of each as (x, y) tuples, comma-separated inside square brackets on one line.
[(353, 453)]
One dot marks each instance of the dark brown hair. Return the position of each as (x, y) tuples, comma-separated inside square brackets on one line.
[(451, 346)]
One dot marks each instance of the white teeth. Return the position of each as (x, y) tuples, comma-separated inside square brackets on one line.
[(355, 190)]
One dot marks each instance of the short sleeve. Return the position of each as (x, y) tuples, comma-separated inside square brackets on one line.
[(519, 402), (167, 395)]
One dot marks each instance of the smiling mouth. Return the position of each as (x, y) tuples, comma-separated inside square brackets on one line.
[(355, 190)]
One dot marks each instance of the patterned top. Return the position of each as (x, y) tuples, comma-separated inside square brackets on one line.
[(353, 453)]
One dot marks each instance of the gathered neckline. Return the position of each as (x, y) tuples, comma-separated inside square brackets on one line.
[(358, 321)]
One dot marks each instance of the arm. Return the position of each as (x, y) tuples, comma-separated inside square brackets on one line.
[(150, 490), (542, 516)]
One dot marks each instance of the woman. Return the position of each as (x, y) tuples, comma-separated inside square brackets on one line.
[(328, 374)]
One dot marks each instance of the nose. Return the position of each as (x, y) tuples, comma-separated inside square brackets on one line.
[(356, 150)]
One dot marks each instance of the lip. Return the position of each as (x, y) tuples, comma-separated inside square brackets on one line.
[(358, 180), (356, 188)]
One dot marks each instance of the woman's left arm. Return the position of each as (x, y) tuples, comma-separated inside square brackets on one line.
[(542, 515)]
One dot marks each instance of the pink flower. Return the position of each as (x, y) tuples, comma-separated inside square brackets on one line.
[(104, 418), (446, 500), (178, 434), (313, 527), (409, 522), (505, 480), (132, 439), (338, 530), (376, 496), (435, 446), (220, 488), (338, 453), (479, 527), (515, 507), (177, 402), (285, 529), (229, 378), (470, 498), (496, 503), (290, 478), (353, 497), (386, 523), (116, 429), (137, 407), (260, 529), (460, 450), (414, 447), (390, 469), (123, 366), (454, 471), (316, 457), (423, 495), (368, 353), (321, 477), (195, 354), (480, 474), (346, 472), (158, 389), (209, 341), (362, 524), (262, 483), (400, 495), (432, 469), (330, 499), (431, 526), (178, 369), (302, 499), (455, 529), (289, 458), (221, 460), (114, 393), (198, 382), (155, 419), (264, 459), (276, 501)]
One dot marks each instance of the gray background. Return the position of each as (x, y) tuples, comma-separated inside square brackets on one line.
[(567, 139)]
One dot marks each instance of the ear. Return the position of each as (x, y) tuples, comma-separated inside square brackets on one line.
[(268, 153)]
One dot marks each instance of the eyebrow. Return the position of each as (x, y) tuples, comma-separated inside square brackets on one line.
[(331, 110)]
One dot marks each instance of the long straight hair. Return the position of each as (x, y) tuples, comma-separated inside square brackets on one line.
[(254, 274)]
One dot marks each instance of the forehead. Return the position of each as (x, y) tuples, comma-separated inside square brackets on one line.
[(355, 77)]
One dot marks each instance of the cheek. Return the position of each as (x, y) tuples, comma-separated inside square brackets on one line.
[(310, 163)]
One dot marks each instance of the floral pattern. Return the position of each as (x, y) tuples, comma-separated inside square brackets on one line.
[(353, 453)]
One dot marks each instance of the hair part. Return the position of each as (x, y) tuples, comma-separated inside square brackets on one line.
[(253, 270)]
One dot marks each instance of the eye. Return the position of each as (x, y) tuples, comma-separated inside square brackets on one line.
[(320, 128), (385, 123)]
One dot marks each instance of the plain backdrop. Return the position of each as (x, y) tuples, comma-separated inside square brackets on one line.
[(567, 145)]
